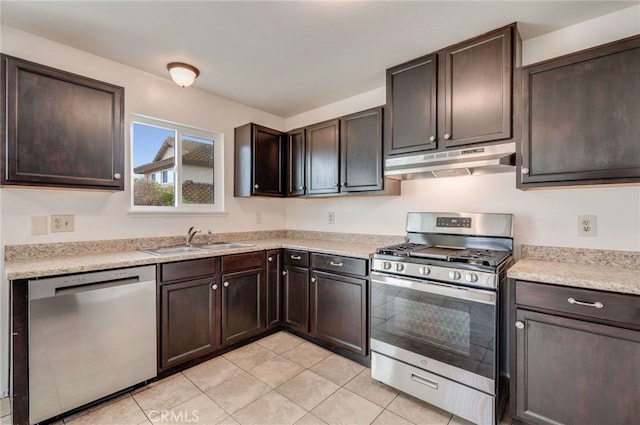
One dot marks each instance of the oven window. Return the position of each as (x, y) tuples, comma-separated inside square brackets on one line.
[(454, 331)]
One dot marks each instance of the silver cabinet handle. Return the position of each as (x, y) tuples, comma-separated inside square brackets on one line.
[(301, 187), (432, 138), (331, 263), (296, 257), (519, 324), (284, 272), (256, 186), (226, 284), (117, 176), (525, 170), (313, 279), (214, 286), (447, 136), (270, 259), (344, 184), (596, 304)]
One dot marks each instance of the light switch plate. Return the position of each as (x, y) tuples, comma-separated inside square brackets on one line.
[(39, 225)]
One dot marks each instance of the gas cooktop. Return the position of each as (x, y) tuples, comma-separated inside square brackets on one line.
[(477, 256)]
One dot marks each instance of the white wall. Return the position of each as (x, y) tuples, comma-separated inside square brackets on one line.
[(103, 215), (543, 217)]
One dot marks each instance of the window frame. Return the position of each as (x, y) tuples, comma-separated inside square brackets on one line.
[(217, 208)]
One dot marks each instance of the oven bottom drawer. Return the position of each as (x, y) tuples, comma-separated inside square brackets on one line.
[(462, 401)]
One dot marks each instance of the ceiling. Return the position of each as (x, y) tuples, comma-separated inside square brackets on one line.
[(284, 57)]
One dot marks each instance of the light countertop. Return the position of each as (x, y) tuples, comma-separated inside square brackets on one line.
[(615, 271), (49, 266)]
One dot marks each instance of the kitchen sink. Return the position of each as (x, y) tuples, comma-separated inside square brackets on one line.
[(173, 250), (224, 245)]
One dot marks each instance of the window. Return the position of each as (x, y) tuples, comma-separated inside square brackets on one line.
[(163, 153)]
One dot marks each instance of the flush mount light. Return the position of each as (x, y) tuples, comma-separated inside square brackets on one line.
[(183, 74)]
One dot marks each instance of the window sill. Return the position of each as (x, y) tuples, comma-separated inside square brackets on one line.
[(172, 212)]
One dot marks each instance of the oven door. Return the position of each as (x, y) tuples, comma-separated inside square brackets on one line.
[(446, 329)]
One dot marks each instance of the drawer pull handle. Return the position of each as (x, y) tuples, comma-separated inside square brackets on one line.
[(331, 263), (596, 304), (296, 257), (424, 381)]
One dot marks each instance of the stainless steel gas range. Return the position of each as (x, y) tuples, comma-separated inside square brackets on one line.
[(437, 310)]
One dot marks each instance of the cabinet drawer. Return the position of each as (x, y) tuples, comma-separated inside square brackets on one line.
[(296, 258), (336, 263), (621, 308), (181, 270), (249, 260)]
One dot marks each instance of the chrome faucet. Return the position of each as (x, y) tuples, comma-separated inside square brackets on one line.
[(190, 234)]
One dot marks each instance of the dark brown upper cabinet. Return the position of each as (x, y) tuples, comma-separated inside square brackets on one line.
[(411, 106), (296, 161), (60, 129), (323, 150), (259, 161), (479, 76), (459, 96), (361, 151), (580, 118)]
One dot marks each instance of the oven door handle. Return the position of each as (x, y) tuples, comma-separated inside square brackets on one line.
[(429, 286)]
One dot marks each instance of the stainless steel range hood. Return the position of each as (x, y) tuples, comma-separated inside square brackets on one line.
[(468, 161)]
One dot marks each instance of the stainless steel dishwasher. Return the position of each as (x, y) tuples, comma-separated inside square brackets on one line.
[(90, 335)]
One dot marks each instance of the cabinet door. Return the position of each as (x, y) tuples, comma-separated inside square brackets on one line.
[(361, 151), (411, 106), (478, 89), (580, 118), (268, 162), (296, 163), (296, 298), (242, 305), (339, 311), (274, 288), (575, 372), (322, 158), (189, 320), (60, 129)]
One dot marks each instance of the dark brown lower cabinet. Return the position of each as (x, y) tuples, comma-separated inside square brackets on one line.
[(243, 314), (572, 364), (190, 320), (296, 298), (339, 310), (274, 288)]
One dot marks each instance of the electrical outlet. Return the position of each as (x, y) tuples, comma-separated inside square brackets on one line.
[(587, 225), (332, 217), (61, 223)]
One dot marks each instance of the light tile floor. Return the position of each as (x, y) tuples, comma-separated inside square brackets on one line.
[(278, 380)]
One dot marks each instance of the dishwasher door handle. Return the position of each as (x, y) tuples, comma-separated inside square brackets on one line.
[(94, 286), (47, 287)]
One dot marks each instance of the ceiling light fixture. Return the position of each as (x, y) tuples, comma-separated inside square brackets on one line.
[(183, 74)]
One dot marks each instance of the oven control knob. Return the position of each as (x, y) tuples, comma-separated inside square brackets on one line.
[(386, 265), (471, 277), (454, 275), (399, 267), (424, 270)]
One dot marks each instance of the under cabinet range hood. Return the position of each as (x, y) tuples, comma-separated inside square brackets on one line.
[(468, 161)]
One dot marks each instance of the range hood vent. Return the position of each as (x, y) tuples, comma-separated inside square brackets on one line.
[(469, 161)]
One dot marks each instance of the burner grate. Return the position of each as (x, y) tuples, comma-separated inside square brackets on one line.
[(401, 249)]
